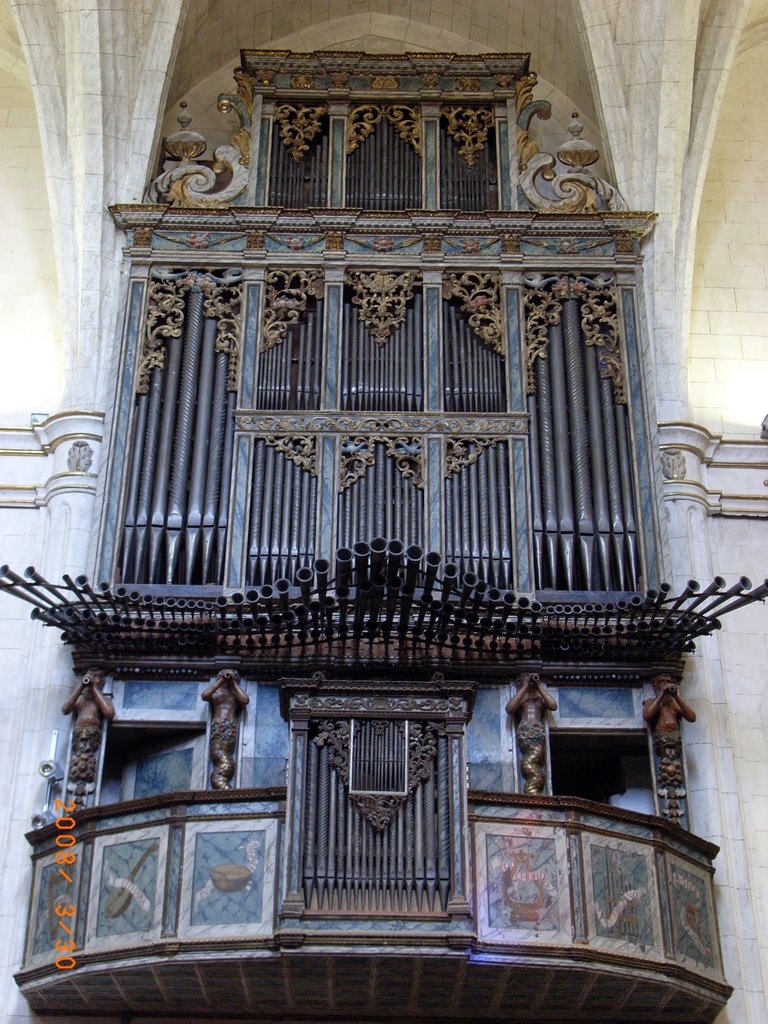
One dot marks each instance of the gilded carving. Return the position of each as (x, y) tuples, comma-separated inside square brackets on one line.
[(300, 450), (542, 311), (468, 127), (530, 700), (385, 82), (479, 295), (242, 104), (298, 126), (356, 456), (599, 322), (361, 423), (302, 82), (334, 241), (526, 108), (165, 319), (430, 79), (467, 83), (408, 455), (223, 302), (362, 120), (287, 292), (339, 79), (463, 451), (382, 298)]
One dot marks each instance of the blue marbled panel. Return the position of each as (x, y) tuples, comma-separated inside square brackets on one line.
[(567, 246), (434, 483), (128, 820), (471, 246), (575, 872), (522, 883), (520, 506), (171, 910), (170, 772), (429, 163), (586, 702), (270, 741), (484, 729), (294, 243), (515, 355), (263, 168), (54, 890), (327, 494), (338, 165), (432, 312), (228, 878), (238, 517), (199, 240), (85, 859), (333, 309), (249, 346), (383, 244), (128, 888), (120, 429), (623, 895), (163, 696), (647, 504), (239, 810), (502, 148), (692, 925)]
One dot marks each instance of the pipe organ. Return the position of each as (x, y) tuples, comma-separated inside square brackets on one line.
[(381, 570)]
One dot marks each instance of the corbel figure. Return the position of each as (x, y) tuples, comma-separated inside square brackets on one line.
[(530, 700), (663, 712), (226, 698), (90, 707)]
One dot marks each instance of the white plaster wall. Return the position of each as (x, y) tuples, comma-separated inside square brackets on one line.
[(30, 336), (728, 364)]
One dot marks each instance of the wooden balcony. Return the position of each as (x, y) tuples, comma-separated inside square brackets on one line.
[(579, 913)]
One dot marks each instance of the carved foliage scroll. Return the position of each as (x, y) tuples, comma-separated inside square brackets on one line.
[(165, 317), (363, 119), (380, 809), (463, 451), (358, 454), (468, 127), (381, 298), (287, 292), (479, 296), (599, 322), (300, 450), (298, 126)]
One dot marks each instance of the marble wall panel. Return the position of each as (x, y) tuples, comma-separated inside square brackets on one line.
[(622, 896), (126, 899), (590, 707), (522, 884), (228, 878), (140, 700)]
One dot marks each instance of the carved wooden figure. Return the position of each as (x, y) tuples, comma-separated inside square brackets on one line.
[(530, 700), (226, 698), (90, 707), (663, 713)]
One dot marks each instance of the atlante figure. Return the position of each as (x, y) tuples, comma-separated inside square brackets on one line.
[(226, 698), (90, 706), (530, 700), (663, 713)]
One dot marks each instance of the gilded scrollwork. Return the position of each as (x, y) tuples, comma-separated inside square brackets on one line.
[(542, 311), (468, 127), (463, 451), (526, 108), (382, 298), (165, 319), (363, 119), (357, 455), (242, 104), (300, 450), (408, 454), (299, 125), (223, 302), (287, 292), (479, 296), (599, 322)]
